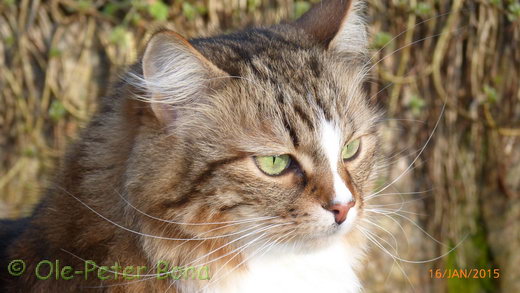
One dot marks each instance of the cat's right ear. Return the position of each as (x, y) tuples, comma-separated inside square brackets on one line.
[(337, 24), (175, 74)]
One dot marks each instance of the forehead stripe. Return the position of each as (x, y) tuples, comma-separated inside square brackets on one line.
[(304, 117)]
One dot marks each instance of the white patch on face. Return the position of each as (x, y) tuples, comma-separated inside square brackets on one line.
[(331, 145)]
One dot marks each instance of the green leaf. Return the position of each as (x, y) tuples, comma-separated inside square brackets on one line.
[(423, 8), (381, 39), (513, 11), (158, 10), (201, 9), (491, 94), (118, 35), (416, 104), (252, 5), (9, 41), (84, 5), (56, 110), (189, 11), (135, 19), (9, 2), (54, 52), (300, 7), (495, 2), (110, 9), (29, 151)]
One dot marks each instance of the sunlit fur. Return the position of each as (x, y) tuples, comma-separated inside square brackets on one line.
[(165, 170)]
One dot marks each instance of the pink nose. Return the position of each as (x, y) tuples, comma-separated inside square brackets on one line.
[(340, 211)]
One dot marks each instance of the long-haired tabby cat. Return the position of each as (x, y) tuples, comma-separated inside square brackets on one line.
[(248, 154)]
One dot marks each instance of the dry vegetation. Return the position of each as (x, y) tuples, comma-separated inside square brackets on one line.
[(57, 57)]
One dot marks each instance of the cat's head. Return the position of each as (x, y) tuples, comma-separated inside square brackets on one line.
[(266, 131)]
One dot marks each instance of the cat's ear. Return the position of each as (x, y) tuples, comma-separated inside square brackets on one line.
[(175, 74), (337, 24)]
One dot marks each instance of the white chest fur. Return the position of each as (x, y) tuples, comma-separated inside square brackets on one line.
[(326, 270)]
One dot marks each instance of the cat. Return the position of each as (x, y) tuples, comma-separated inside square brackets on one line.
[(245, 155)]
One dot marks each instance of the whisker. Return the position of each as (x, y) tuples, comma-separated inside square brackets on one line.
[(397, 154), (242, 248), (421, 229), (266, 246), (277, 240), (373, 240), (405, 31), (244, 236), (426, 260), (411, 44), (380, 91), (385, 230), (398, 193), (195, 224), (152, 276), (391, 212), (236, 253), (403, 119), (400, 227), (418, 155), (397, 203), (145, 234)]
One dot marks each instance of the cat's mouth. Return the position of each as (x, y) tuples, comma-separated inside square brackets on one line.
[(349, 222), (343, 228), (325, 225), (322, 233)]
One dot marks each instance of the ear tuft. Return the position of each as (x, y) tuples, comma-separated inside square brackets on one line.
[(337, 24), (174, 74)]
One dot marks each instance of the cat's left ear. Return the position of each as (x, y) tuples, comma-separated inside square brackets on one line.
[(337, 24), (176, 75)]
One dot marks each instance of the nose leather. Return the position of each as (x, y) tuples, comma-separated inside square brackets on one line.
[(340, 211)]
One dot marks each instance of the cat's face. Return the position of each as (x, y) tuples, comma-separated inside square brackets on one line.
[(277, 133)]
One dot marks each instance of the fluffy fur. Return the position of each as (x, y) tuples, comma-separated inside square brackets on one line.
[(166, 170)]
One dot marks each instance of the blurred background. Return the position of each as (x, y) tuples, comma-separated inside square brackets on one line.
[(58, 56)]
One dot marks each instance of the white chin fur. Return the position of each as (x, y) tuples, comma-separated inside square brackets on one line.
[(330, 269)]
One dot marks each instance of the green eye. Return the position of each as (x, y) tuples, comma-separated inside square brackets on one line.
[(273, 165), (350, 149)]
